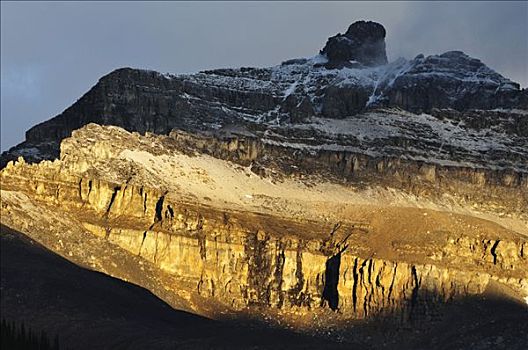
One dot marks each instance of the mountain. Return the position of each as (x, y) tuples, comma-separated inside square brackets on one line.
[(350, 77), (357, 202)]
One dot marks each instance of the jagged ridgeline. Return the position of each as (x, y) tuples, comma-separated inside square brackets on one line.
[(351, 75), (334, 189)]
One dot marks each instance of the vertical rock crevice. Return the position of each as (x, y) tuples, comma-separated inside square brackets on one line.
[(144, 194), (142, 242), (159, 209), (415, 292), (278, 279), (355, 277), (493, 251), (112, 200), (330, 294), (259, 268), (296, 295)]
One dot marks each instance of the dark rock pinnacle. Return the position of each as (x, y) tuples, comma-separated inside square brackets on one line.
[(363, 43)]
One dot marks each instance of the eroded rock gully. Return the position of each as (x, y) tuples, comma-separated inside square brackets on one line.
[(252, 260)]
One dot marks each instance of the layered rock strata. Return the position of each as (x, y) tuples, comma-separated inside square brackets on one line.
[(252, 259), (350, 77), (320, 191)]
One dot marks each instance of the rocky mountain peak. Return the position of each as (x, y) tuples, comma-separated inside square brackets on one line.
[(363, 43), (314, 196), (350, 77)]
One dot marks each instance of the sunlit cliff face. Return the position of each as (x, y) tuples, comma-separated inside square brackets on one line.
[(324, 193), (295, 242)]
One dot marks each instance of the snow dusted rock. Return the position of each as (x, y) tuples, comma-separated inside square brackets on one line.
[(363, 44), (450, 80), (293, 92)]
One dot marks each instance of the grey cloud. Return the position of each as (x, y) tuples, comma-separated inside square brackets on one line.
[(51, 53)]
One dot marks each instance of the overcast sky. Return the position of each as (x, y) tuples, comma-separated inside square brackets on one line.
[(52, 53)]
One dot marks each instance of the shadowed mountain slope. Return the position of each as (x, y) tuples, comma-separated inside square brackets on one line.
[(91, 310)]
